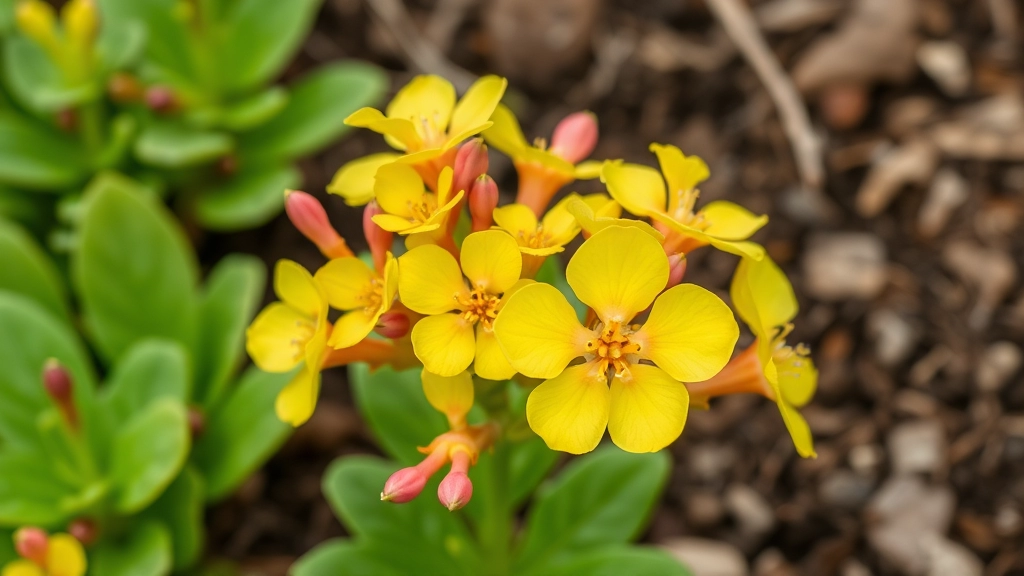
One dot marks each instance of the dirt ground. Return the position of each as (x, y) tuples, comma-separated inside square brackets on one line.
[(906, 263)]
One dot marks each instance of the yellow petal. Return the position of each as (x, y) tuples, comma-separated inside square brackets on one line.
[(588, 170), (690, 333), (516, 218), (296, 402), (593, 223), (429, 280), (444, 343), (451, 396), (65, 556), (490, 362), (505, 134), (570, 411), (559, 225), (618, 272), (398, 188), (538, 331), (648, 409), (682, 172), (295, 286), (399, 133), (798, 379), (390, 280), (475, 108), (354, 181), (798, 429), (277, 338), (346, 282), (352, 327), (603, 206), (729, 221), (743, 249), (426, 97), (491, 260), (763, 296), (639, 189), (22, 568)]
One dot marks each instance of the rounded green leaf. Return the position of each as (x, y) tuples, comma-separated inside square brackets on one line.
[(36, 82), (343, 558), (148, 452), (148, 371), (618, 560), (37, 157), (30, 490), (254, 110), (180, 510), (27, 270), (144, 550), (175, 145), (247, 200)]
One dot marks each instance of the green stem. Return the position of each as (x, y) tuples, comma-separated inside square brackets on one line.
[(91, 119), (496, 529)]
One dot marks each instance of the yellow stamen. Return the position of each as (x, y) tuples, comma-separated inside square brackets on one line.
[(613, 349), (479, 306)]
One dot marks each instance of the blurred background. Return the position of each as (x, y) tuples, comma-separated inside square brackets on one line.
[(899, 222)]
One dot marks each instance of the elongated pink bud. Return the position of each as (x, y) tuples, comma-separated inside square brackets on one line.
[(392, 324), (575, 136), (377, 238), (61, 389), (676, 269), (407, 483), (456, 490), (309, 216), (470, 163), (483, 199), (31, 544)]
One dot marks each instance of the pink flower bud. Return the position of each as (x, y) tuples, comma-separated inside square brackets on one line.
[(404, 485), (31, 544), (483, 199), (676, 269), (392, 324), (161, 99), (60, 387), (377, 238), (575, 136), (456, 490), (309, 216), (84, 530), (470, 163)]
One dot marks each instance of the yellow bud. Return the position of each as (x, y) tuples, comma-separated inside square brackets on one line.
[(37, 20), (81, 22)]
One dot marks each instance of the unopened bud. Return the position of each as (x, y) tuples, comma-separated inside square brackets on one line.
[(84, 530), (404, 485), (483, 199), (31, 544), (227, 165), (471, 162), (67, 119), (309, 216), (81, 22), (161, 99), (575, 136), (38, 21), (196, 421), (124, 87), (676, 269), (456, 489), (378, 239), (60, 387), (392, 324)]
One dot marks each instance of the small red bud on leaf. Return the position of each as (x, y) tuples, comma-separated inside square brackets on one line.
[(60, 387), (124, 87), (471, 162), (575, 136), (84, 530), (161, 99), (483, 199), (31, 544), (196, 421), (309, 216)]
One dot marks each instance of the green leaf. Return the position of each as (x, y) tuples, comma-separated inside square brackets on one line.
[(26, 269), (432, 539), (316, 112), (180, 509), (600, 499), (530, 462), (552, 272), (343, 558), (34, 211), (170, 51), (259, 38), (7, 553), (30, 492), (121, 45), (36, 157), (618, 560), (149, 371), (227, 305), (396, 409), (254, 110), (241, 433), (175, 145), (36, 82), (144, 550), (134, 270), (148, 452), (248, 200), (29, 336)]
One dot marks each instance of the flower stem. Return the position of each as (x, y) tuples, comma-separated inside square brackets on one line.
[(496, 528)]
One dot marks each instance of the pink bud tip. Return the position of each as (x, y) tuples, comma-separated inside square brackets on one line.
[(455, 491), (676, 269), (161, 99), (483, 199), (392, 324), (57, 381), (471, 162), (310, 218), (404, 485), (32, 543), (575, 136), (84, 530), (378, 239)]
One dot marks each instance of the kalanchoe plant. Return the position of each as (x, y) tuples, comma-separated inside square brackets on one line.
[(522, 360), (176, 93), (120, 435)]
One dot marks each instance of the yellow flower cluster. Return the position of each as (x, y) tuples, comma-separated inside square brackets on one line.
[(42, 554), (467, 307)]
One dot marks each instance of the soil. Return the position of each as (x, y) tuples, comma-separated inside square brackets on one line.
[(906, 265)]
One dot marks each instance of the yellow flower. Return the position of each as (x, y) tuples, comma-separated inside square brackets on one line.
[(542, 171), (354, 181), (451, 396), (596, 212), (408, 207), (458, 328), (363, 294), (292, 332), (641, 190), (62, 555), (764, 299), (688, 337), (538, 240)]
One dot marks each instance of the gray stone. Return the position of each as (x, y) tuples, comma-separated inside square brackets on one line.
[(707, 557), (918, 446), (845, 265)]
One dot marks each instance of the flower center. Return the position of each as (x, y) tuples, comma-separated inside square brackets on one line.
[(428, 131), (612, 349), (535, 239), (304, 332), (681, 203), (479, 306), (788, 359), (373, 296), (422, 211)]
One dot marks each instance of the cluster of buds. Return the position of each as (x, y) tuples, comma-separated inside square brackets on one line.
[(42, 554)]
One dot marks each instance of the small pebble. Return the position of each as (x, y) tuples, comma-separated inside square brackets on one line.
[(918, 446), (707, 557)]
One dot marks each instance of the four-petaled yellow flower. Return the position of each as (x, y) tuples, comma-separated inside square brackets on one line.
[(641, 190), (597, 212), (425, 122), (292, 332), (458, 329), (631, 374), (538, 239), (56, 555), (363, 294), (408, 207)]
